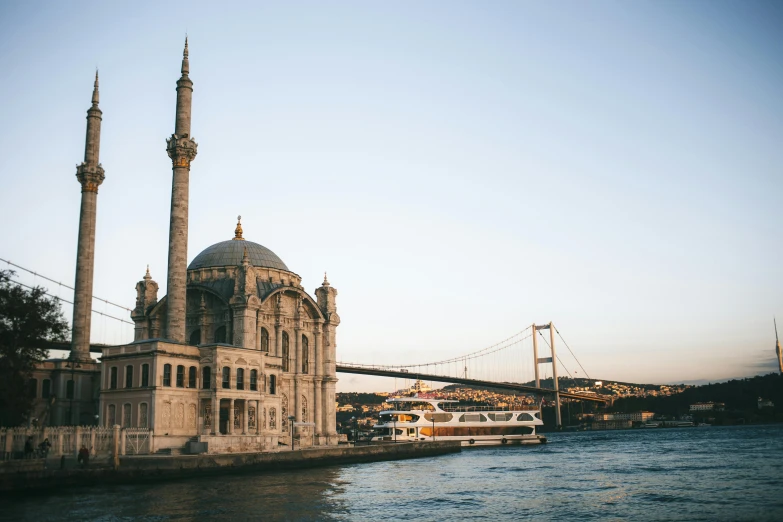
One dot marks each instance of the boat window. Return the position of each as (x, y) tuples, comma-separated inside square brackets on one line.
[(438, 417), (525, 417), (500, 417), (473, 417), (408, 406)]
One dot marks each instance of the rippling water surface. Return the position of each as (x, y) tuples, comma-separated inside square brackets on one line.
[(733, 473)]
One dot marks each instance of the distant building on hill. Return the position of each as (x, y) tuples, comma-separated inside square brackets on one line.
[(765, 403), (639, 416), (708, 406)]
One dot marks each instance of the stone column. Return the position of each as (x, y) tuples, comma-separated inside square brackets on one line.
[(244, 424), (90, 175), (182, 150), (215, 415), (230, 429), (317, 397), (298, 373)]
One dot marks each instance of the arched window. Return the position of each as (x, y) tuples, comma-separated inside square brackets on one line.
[(272, 384), (226, 377), (143, 415), (166, 375), (192, 372), (195, 337), (113, 378), (240, 378), (129, 376), (264, 344), (32, 388), (285, 352), (111, 416), (180, 376), (145, 375), (305, 355), (284, 413), (220, 335), (46, 388), (126, 415), (69, 389), (304, 408), (254, 380), (206, 377)]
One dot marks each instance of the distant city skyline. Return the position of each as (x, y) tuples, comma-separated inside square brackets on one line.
[(459, 170)]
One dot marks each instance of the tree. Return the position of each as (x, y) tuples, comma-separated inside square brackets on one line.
[(28, 319)]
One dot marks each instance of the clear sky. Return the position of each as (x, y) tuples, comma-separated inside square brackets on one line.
[(460, 169)]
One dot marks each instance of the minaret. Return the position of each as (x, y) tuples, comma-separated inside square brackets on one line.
[(777, 347), (90, 176), (182, 150)]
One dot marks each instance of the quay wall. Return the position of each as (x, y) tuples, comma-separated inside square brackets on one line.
[(30, 475)]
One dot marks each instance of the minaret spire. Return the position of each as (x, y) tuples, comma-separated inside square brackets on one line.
[(181, 149), (95, 98), (90, 175), (185, 63)]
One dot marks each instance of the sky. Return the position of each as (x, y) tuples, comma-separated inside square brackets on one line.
[(460, 169)]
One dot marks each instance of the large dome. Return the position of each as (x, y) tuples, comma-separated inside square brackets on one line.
[(229, 253)]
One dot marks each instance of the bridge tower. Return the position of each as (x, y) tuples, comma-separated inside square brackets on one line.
[(544, 360), (778, 350)]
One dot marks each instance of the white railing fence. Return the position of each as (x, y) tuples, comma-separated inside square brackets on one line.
[(68, 440)]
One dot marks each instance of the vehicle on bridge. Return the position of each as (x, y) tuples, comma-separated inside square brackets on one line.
[(411, 419)]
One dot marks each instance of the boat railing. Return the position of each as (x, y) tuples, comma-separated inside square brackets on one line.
[(515, 407)]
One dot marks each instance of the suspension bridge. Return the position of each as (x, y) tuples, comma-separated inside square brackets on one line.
[(511, 364)]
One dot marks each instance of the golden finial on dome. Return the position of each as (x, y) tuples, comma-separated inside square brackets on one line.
[(238, 230)]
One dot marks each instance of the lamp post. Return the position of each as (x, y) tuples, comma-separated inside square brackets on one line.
[(292, 418)]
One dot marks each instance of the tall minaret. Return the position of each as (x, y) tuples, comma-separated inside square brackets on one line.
[(90, 175), (778, 350), (182, 150)]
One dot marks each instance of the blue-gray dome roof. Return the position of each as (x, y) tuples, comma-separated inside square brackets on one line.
[(229, 253)]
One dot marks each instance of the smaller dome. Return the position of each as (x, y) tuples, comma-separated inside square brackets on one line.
[(229, 253)]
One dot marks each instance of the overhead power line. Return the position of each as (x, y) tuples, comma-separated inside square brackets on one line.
[(63, 284), (69, 302)]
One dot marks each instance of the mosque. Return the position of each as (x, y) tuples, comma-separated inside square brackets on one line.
[(237, 355)]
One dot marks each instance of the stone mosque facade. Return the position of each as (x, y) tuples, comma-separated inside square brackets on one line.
[(237, 354)]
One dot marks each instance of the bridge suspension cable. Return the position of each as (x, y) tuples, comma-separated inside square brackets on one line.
[(502, 345), (572, 353)]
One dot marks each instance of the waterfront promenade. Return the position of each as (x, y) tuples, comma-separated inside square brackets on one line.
[(36, 475)]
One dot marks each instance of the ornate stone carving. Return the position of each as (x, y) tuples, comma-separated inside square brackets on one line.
[(166, 417), (179, 419), (182, 150), (90, 176), (207, 415), (272, 419), (191, 416)]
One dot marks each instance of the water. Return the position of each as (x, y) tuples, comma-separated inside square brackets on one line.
[(732, 473)]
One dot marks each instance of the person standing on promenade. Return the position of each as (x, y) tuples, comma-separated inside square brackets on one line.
[(84, 456)]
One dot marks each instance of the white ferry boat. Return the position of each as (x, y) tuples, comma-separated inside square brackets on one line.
[(414, 419)]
